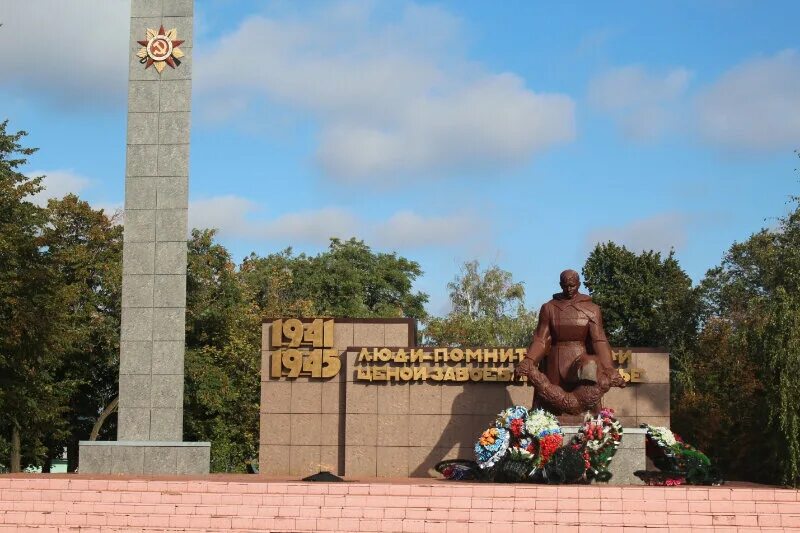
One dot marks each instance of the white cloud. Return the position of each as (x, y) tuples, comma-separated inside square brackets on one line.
[(315, 227), (393, 100), (68, 52), (238, 218), (406, 229), (658, 232), (755, 105), (228, 214), (641, 101), (57, 184)]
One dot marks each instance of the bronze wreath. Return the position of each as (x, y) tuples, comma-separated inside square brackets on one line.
[(583, 398)]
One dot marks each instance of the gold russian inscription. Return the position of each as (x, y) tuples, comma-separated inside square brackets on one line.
[(277, 333), (293, 329), (306, 348), (475, 355), (303, 348), (504, 374), (327, 333), (331, 364), (293, 360), (313, 333), (312, 363), (621, 357)]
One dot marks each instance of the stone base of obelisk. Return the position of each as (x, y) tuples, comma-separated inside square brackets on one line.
[(144, 457)]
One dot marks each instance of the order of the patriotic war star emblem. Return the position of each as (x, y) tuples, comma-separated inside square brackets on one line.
[(160, 48)]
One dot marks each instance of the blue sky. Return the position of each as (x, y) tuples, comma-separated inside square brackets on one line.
[(516, 133)]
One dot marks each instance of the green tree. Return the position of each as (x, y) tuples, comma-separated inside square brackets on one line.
[(349, 279), (647, 299), (753, 296), (223, 333), (488, 309), (85, 251), (30, 397), (719, 405), (270, 283)]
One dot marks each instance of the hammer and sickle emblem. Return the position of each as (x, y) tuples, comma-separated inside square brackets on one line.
[(159, 47)]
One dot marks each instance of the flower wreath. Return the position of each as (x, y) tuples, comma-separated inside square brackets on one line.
[(677, 461), (599, 437), (544, 429), (492, 446)]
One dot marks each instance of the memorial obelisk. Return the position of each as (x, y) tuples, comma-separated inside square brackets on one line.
[(150, 420)]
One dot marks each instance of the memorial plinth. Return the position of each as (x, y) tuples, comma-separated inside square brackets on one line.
[(374, 419), (150, 419)]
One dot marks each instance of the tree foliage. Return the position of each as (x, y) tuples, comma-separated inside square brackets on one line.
[(488, 309), (29, 314), (753, 298), (85, 251), (647, 299), (222, 357), (348, 280), (734, 341)]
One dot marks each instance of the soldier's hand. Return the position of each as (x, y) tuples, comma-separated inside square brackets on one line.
[(525, 367), (617, 380)]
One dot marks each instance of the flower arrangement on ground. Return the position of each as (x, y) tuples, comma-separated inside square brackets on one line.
[(528, 446), (599, 437), (677, 461)]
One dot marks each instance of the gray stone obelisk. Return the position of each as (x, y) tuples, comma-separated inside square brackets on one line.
[(150, 420)]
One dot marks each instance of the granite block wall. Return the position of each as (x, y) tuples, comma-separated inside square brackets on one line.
[(302, 420)]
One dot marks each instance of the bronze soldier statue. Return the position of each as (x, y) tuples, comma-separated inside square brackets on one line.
[(578, 364)]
